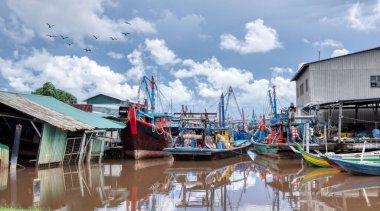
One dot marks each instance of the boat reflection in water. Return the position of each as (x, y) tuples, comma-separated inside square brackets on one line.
[(213, 184), (327, 189), (236, 183)]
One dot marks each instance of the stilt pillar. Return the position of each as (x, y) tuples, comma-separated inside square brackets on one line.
[(16, 146), (340, 120)]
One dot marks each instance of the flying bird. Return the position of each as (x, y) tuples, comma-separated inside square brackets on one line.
[(50, 25), (125, 33), (63, 37), (127, 23), (113, 38), (86, 49), (51, 36), (95, 37), (69, 43)]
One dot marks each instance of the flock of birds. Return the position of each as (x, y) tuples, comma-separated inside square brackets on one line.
[(69, 43)]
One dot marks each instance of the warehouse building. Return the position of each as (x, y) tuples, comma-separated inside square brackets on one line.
[(343, 91)]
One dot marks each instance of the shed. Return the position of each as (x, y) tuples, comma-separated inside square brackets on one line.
[(103, 99), (61, 132)]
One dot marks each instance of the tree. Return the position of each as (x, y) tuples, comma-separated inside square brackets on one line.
[(48, 89)]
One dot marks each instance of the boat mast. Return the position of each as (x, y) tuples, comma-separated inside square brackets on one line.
[(274, 102), (222, 108), (152, 97)]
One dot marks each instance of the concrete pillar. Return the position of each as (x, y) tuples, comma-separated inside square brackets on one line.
[(16, 146)]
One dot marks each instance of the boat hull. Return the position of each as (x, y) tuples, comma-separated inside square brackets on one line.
[(183, 153), (356, 167), (278, 151), (146, 142)]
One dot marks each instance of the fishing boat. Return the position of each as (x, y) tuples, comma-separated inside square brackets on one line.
[(357, 167), (202, 139), (279, 131), (312, 159), (322, 160), (147, 133)]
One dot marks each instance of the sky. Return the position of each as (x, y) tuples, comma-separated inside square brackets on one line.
[(196, 49)]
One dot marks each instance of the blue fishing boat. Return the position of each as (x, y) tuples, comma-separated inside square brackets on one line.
[(202, 139), (357, 167)]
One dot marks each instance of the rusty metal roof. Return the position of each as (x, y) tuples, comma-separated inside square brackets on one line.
[(55, 112)]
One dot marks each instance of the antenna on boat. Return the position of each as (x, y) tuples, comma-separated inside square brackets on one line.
[(274, 102), (152, 98), (222, 109)]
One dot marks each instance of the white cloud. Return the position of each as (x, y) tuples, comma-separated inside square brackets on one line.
[(285, 90), (86, 18), (206, 90), (142, 26), (364, 18), (186, 27), (138, 69), (161, 54), (115, 55), (15, 30), (259, 38), (215, 73), (278, 71), (178, 91), (80, 76), (328, 43), (340, 52)]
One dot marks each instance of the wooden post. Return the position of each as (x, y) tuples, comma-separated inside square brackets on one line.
[(340, 120), (16, 146)]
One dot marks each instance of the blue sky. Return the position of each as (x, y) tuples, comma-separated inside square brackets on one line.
[(195, 48)]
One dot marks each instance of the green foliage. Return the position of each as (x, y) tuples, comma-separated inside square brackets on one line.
[(48, 89)]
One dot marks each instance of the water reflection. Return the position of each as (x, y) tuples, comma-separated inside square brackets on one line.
[(211, 184), (232, 184)]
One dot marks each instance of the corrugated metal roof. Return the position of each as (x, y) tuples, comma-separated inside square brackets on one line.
[(77, 114), (55, 112)]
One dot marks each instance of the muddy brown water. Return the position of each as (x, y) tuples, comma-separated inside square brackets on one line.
[(163, 184)]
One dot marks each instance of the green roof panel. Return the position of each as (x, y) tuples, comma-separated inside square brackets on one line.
[(77, 114)]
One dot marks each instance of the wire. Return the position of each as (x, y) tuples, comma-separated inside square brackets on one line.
[(360, 120)]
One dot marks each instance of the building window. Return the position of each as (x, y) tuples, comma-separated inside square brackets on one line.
[(307, 85), (301, 89), (375, 81), (298, 92)]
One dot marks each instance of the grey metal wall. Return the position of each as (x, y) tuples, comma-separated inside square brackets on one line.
[(344, 78), (302, 100)]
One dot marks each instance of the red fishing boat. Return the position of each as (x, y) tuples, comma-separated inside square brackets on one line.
[(147, 132)]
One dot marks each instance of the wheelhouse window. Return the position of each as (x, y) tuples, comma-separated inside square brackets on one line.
[(307, 85), (301, 90), (375, 81)]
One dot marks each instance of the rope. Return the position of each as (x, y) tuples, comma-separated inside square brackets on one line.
[(360, 120)]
